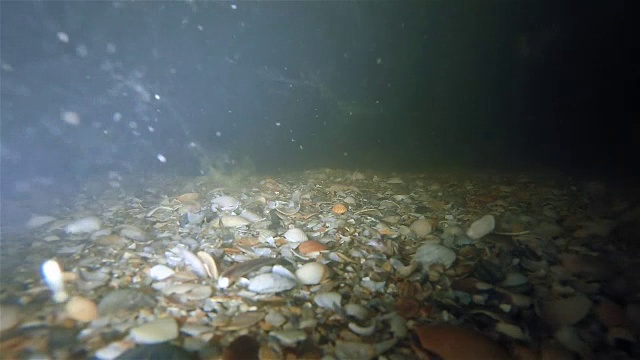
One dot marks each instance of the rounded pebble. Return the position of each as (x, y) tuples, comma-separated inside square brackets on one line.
[(421, 227), (429, 254), (328, 300), (81, 309), (154, 332)]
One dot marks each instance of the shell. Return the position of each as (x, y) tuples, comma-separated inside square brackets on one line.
[(310, 247), (188, 197), (312, 273), (224, 203), (339, 209), (270, 283), (209, 264), (233, 221), (295, 235)]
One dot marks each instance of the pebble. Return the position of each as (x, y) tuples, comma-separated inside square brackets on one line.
[(9, 316), (514, 279), (567, 311), (357, 311), (481, 227), (421, 227), (455, 342), (429, 254), (81, 309), (312, 273), (85, 225), (289, 338), (156, 331), (124, 301), (270, 283), (134, 233), (328, 300), (275, 318)]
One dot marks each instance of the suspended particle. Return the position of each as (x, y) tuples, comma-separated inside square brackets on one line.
[(162, 158), (71, 118), (63, 37)]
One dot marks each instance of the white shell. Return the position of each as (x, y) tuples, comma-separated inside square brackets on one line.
[(160, 272), (328, 300), (251, 216), (481, 227), (224, 203), (233, 221), (270, 283), (209, 264), (362, 331), (295, 235), (311, 273)]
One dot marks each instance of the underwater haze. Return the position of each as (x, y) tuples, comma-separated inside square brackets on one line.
[(122, 90)]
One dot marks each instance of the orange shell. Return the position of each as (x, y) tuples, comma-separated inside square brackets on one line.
[(339, 209), (311, 246)]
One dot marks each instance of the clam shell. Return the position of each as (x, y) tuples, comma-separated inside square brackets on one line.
[(310, 246), (295, 235), (209, 264), (312, 273), (270, 283), (233, 221), (224, 203)]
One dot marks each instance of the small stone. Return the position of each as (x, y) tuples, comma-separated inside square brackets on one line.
[(154, 332), (124, 301), (9, 316), (134, 233), (567, 311), (289, 337), (81, 309), (328, 300)]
